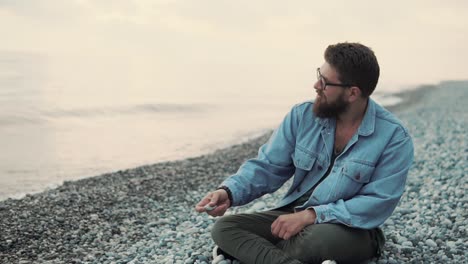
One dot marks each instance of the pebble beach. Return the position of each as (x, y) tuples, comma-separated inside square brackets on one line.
[(146, 214)]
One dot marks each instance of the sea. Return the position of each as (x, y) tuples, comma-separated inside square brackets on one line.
[(69, 118)]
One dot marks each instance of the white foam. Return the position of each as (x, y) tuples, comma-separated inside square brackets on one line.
[(387, 99)]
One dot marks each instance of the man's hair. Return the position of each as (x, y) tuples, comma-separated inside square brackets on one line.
[(356, 64)]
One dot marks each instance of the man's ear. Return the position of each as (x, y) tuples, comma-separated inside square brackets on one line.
[(354, 93)]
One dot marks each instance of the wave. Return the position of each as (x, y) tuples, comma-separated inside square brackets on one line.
[(44, 116)]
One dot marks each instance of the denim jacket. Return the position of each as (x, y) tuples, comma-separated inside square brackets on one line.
[(367, 179)]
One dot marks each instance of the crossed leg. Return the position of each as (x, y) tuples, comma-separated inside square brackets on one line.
[(248, 238)]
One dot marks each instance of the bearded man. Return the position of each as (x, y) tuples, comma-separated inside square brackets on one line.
[(349, 158)]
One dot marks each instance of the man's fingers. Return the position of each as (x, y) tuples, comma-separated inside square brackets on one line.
[(275, 228), (218, 211), (212, 205), (286, 226), (204, 202), (282, 233), (277, 225), (200, 207), (274, 224), (214, 199)]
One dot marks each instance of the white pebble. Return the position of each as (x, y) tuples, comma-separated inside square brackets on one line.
[(447, 222), (258, 206), (431, 243), (407, 244), (451, 244), (210, 208)]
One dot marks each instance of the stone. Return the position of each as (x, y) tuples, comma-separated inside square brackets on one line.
[(447, 222), (210, 208), (431, 243), (258, 206), (407, 244), (451, 244)]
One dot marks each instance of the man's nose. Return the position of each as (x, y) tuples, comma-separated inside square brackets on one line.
[(317, 85)]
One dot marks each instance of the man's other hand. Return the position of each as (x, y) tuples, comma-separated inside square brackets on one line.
[(288, 225), (218, 198)]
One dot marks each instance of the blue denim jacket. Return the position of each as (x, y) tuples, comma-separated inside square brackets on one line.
[(367, 179)]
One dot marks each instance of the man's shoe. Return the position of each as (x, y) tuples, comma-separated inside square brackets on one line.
[(221, 257)]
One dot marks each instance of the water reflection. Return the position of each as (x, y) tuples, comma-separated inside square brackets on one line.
[(53, 128)]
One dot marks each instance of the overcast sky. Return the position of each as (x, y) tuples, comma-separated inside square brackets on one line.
[(257, 42)]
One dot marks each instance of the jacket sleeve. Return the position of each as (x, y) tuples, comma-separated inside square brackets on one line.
[(271, 168), (376, 200)]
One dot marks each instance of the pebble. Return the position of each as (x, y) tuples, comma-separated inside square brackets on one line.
[(210, 208), (407, 244), (258, 206), (451, 244), (447, 222), (431, 243)]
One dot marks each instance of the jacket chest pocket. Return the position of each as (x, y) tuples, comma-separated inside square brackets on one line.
[(304, 162), (353, 176)]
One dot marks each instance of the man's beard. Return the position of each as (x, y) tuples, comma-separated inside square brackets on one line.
[(324, 109)]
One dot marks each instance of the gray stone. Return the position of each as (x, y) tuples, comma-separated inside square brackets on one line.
[(447, 222), (407, 244), (431, 243)]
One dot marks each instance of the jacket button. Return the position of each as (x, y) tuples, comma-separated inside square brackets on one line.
[(322, 217), (319, 167), (357, 177)]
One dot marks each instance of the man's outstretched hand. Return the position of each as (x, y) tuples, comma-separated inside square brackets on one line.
[(218, 198), (288, 225)]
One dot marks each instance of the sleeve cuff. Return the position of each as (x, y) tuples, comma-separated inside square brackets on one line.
[(321, 213)]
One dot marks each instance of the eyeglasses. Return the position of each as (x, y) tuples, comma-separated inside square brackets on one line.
[(324, 83)]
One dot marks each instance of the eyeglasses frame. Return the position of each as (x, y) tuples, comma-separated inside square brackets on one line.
[(324, 83)]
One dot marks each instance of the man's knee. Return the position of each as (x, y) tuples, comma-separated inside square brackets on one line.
[(329, 241), (305, 250), (221, 226)]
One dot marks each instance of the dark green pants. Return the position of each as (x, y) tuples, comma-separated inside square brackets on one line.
[(248, 238)]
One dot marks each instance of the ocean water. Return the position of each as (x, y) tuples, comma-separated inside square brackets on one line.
[(70, 118)]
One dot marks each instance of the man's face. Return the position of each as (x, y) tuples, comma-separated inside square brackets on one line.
[(331, 100)]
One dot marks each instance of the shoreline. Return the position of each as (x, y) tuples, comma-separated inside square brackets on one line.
[(408, 98), (145, 214)]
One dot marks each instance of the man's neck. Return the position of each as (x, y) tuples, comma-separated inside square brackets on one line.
[(354, 115)]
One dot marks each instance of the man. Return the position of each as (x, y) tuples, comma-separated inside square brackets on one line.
[(350, 158)]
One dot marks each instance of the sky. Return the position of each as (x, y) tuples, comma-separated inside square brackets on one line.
[(235, 46)]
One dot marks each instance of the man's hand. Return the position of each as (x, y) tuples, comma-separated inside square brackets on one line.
[(288, 225), (218, 198)]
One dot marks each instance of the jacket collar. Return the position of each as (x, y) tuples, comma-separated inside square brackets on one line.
[(367, 125)]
